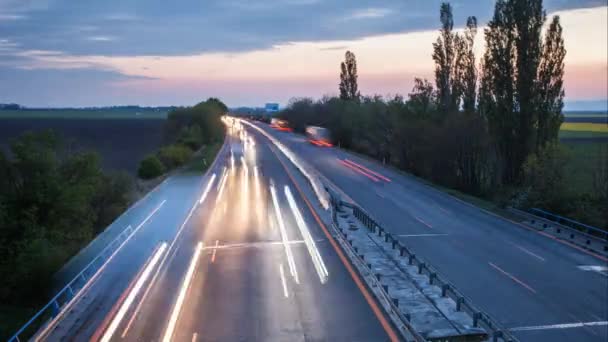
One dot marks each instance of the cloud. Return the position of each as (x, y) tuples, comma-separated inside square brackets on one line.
[(101, 38), (121, 17), (370, 13), (9, 17)]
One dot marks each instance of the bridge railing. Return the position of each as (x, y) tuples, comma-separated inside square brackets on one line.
[(496, 332), (70, 291), (564, 221)]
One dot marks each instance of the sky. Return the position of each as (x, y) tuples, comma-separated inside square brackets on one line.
[(56, 53)]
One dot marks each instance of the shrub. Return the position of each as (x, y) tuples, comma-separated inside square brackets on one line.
[(150, 167), (174, 155)]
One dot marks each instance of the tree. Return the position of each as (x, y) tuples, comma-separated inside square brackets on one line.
[(422, 98), (469, 70), (550, 85), (150, 167), (444, 57), (349, 89)]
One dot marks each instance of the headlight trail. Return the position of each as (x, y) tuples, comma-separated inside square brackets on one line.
[(222, 185), (182, 294), (317, 260), (286, 246), (204, 195), (133, 294)]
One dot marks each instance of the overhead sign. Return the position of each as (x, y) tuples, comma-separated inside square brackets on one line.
[(271, 107)]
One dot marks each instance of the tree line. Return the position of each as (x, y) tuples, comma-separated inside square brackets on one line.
[(52, 203), (187, 129), (485, 128)]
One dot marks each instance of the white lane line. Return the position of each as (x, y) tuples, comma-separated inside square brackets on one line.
[(182, 294), (603, 270), (421, 221), (285, 292), (528, 287), (286, 246), (204, 195), (194, 337), (529, 252), (317, 260), (68, 306), (134, 292), (217, 242), (561, 326), (417, 235)]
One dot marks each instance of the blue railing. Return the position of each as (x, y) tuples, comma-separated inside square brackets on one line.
[(564, 221), (71, 290)]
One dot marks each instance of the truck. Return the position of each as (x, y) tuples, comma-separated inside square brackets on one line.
[(318, 136)]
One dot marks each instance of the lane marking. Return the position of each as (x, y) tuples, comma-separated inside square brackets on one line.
[(217, 242), (221, 189), (374, 173), (444, 210), (182, 293), (424, 223), (358, 170), (528, 252), (286, 246), (84, 289), (194, 337), (603, 270), (285, 292), (417, 235), (561, 326), (386, 325), (133, 293), (528, 287), (317, 260)]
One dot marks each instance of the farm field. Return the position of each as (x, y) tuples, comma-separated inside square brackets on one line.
[(93, 114), (122, 143)]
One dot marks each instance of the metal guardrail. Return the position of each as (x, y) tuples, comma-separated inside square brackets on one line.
[(65, 295), (480, 319), (564, 221)]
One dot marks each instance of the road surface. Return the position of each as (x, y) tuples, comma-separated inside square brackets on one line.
[(528, 282), (236, 255)]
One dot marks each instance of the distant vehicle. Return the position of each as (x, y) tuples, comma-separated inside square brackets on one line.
[(280, 124), (319, 136)]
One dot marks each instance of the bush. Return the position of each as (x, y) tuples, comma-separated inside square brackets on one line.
[(150, 167), (174, 155)]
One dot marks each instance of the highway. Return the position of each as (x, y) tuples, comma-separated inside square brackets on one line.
[(235, 255), (530, 283)]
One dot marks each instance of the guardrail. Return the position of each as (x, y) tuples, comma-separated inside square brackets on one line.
[(480, 319), (564, 221), (71, 290)]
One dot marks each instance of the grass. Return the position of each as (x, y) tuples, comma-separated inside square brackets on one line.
[(103, 113), (201, 161), (584, 127), (584, 158), (12, 319)]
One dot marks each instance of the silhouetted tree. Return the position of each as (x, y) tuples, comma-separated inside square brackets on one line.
[(444, 57), (550, 85), (349, 89), (469, 70)]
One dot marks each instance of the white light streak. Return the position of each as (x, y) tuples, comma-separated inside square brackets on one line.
[(285, 292), (204, 195), (286, 245), (182, 294), (133, 294), (317, 260)]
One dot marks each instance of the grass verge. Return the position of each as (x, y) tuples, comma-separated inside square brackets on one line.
[(200, 162)]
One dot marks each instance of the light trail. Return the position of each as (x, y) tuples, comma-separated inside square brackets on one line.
[(317, 260), (134, 292), (221, 188), (182, 294), (204, 195), (285, 292), (286, 245)]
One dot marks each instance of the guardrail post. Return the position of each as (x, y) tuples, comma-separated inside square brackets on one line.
[(421, 266), (396, 301), (55, 309), (394, 243), (476, 317), (497, 334), (432, 277), (459, 302), (401, 251), (386, 237), (412, 258), (444, 289), (385, 288)]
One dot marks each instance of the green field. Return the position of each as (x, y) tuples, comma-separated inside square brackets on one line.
[(101, 113)]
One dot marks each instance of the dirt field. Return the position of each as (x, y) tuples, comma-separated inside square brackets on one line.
[(120, 142)]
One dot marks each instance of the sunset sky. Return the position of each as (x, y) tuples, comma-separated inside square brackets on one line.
[(154, 52)]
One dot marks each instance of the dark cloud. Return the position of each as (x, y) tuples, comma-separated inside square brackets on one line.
[(133, 27)]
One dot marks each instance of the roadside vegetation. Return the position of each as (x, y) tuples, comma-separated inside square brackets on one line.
[(52, 203), (193, 134), (488, 130)]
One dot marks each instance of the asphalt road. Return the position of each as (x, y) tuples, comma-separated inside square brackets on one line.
[(236, 255), (528, 282)]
